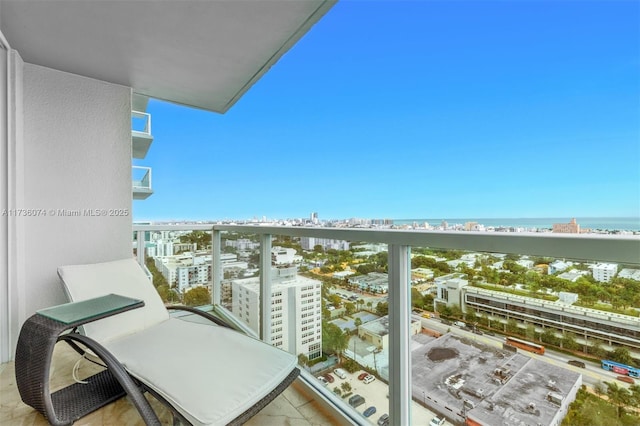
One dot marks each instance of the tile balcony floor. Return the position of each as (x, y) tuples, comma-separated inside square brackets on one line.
[(293, 407)]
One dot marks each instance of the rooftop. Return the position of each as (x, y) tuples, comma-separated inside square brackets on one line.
[(500, 384)]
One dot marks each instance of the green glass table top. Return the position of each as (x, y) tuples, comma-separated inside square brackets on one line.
[(90, 309)]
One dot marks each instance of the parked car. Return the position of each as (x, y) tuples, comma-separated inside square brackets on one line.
[(356, 400), (370, 378), (626, 379), (361, 376), (369, 411), (323, 380), (436, 421), (340, 373), (328, 377), (383, 420), (577, 363), (460, 324), (476, 331)]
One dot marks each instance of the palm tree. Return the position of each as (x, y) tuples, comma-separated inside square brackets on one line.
[(334, 340), (303, 360), (619, 396)]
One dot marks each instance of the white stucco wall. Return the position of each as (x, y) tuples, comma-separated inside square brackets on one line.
[(75, 155)]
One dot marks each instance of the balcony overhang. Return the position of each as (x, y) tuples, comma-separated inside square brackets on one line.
[(141, 193), (204, 54)]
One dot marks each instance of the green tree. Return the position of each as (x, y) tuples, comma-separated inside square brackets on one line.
[(456, 311), (597, 349), (334, 340), (635, 395), (167, 295), (512, 326), (158, 278), (197, 297), (335, 300), (471, 316), (427, 301), (619, 396), (303, 360), (382, 308), (569, 342), (416, 298), (622, 355), (549, 336), (357, 322), (202, 239), (346, 387), (350, 308)]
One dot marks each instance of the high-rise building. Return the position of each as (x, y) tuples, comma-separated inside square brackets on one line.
[(296, 313)]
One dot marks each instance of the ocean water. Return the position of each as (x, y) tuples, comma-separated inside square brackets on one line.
[(603, 223)]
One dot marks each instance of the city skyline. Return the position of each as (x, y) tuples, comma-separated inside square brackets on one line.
[(420, 109)]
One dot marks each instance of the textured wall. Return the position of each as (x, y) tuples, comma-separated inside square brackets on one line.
[(76, 156)]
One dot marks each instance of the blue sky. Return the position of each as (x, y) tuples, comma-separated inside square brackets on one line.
[(420, 109)]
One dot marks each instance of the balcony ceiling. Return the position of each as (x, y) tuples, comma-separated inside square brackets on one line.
[(204, 54)]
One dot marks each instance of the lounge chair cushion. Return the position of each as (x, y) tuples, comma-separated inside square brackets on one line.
[(123, 277), (209, 373)]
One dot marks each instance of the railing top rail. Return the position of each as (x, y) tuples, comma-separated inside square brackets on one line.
[(588, 247), (140, 114), (181, 227)]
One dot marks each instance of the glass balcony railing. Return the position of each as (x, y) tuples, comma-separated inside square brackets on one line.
[(141, 137), (417, 324), (141, 177)]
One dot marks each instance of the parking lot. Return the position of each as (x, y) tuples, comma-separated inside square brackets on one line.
[(375, 394)]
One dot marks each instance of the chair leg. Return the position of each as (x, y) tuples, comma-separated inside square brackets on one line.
[(135, 395)]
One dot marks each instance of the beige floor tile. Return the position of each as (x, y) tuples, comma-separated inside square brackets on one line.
[(292, 407)]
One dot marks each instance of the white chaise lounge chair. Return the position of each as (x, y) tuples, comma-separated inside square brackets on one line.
[(207, 374)]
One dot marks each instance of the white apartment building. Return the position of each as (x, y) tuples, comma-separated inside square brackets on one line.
[(449, 290), (284, 256), (296, 313), (309, 243), (604, 272), (160, 248), (188, 269), (242, 244)]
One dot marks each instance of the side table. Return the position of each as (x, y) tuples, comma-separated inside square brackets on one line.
[(39, 335)]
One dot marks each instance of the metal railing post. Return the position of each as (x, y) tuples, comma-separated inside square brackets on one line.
[(265, 288), (216, 267), (399, 335)]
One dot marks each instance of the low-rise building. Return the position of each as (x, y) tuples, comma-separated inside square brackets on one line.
[(604, 272), (631, 274), (612, 328), (566, 228), (376, 332), (373, 282), (482, 385)]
